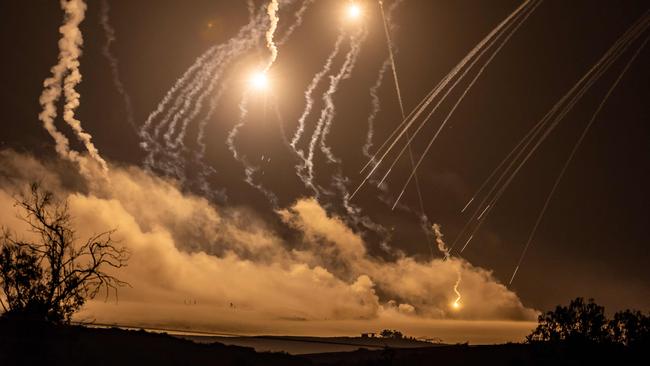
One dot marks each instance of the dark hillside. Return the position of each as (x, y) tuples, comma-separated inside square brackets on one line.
[(43, 344)]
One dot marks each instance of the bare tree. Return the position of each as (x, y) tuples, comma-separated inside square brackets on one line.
[(51, 279)]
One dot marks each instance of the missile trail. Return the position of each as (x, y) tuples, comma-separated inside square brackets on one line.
[(518, 21), (557, 113), (439, 88), (572, 154), (524, 17), (391, 58)]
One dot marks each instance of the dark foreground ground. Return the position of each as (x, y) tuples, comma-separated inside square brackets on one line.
[(39, 344), (304, 345)]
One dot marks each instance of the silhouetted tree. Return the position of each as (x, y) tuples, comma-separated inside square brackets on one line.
[(630, 328), (579, 322), (51, 278)]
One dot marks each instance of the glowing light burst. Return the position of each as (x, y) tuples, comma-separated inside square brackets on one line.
[(455, 305), (259, 81), (354, 11)]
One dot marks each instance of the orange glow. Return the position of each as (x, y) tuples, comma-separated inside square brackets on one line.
[(354, 11), (259, 80)]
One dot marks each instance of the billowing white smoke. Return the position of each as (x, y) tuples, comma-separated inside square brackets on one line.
[(227, 260), (64, 79)]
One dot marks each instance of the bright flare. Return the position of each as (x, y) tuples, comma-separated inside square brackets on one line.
[(259, 81), (455, 305), (354, 11)]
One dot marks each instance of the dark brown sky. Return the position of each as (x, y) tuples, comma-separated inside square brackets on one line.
[(593, 240)]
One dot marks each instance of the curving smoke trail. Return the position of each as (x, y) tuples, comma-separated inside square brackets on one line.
[(187, 103), (65, 77), (442, 247), (190, 90), (309, 99), (149, 142), (297, 22), (305, 170), (113, 62), (328, 113), (249, 169), (272, 11), (375, 109), (202, 124)]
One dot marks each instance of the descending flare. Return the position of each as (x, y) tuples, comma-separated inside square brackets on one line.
[(354, 10), (259, 80), (456, 303)]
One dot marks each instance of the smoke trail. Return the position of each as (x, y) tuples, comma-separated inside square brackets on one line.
[(375, 109), (65, 77), (183, 93), (250, 5), (243, 113), (309, 100), (249, 169), (249, 172), (442, 247), (299, 19), (272, 11), (113, 62), (456, 303), (181, 82), (328, 113), (236, 47), (354, 212), (214, 102)]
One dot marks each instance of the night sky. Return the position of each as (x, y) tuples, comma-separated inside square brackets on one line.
[(592, 241)]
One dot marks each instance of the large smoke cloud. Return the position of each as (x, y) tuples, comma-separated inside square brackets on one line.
[(238, 272)]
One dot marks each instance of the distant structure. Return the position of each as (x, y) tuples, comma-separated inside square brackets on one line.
[(368, 335)]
